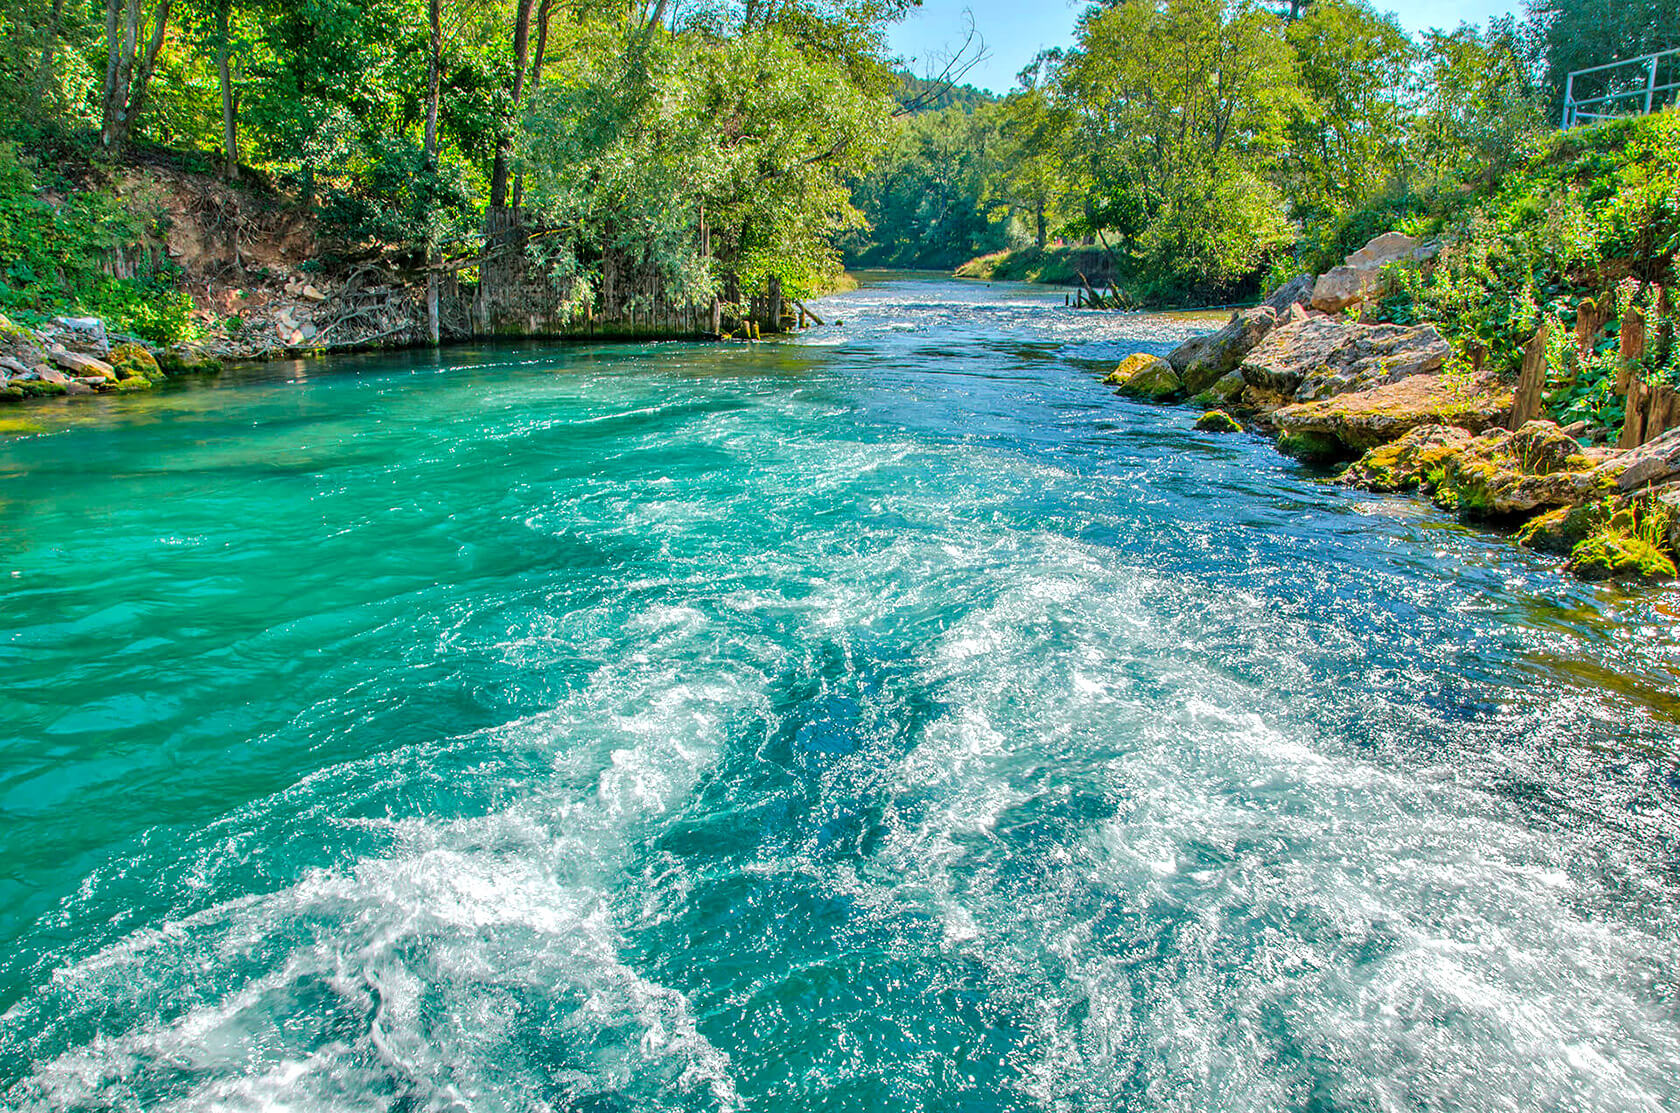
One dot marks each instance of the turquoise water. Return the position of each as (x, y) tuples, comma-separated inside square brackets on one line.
[(886, 719)]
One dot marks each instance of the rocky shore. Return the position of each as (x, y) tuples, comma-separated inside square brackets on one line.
[(1397, 406), (75, 355)]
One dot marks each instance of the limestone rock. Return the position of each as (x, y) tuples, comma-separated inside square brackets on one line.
[(81, 334), (310, 292), (1146, 376), (1652, 462), (78, 364), (1202, 361), (1227, 391), (1317, 357), (1503, 474), (1297, 291), (52, 375), (1360, 277), (1410, 462), (1366, 419), (1280, 361)]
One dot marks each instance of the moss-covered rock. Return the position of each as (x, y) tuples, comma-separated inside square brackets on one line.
[(1559, 531), (191, 360), (1313, 447), (1146, 376), (1228, 391), (38, 388), (1503, 474), (1611, 554), (1203, 360), (1218, 421), (133, 361), (1412, 461)]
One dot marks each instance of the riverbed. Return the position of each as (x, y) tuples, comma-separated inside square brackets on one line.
[(882, 718)]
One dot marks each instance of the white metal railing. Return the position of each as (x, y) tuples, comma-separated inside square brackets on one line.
[(1621, 96)]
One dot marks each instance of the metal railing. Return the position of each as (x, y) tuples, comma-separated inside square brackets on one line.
[(1619, 89)]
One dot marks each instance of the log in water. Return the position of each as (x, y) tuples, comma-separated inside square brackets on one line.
[(888, 718)]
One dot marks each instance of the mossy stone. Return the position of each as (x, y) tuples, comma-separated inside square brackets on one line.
[(133, 361), (1146, 376), (1317, 448), (1218, 421), (1607, 555)]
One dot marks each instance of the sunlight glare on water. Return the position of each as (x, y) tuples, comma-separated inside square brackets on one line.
[(885, 718)]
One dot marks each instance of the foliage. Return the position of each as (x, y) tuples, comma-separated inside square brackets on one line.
[(1590, 222)]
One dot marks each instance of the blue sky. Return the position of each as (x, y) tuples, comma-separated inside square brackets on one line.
[(1015, 30)]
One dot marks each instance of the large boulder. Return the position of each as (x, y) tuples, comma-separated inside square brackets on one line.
[(1415, 460), (1297, 291), (1502, 474), (1360, 277), (1368, 418), (1202, 361), (1317, 356), (1146, 376)]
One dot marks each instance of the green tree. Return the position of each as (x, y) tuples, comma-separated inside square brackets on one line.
[(1178, 108)]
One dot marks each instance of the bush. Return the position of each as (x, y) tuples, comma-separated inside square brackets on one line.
[(54, 241)]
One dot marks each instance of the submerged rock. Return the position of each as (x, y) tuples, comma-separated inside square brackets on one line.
[(1146, 376), (1202, 361), (1218, 421)]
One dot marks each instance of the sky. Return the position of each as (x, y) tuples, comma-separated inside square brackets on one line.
[(1015, 30)]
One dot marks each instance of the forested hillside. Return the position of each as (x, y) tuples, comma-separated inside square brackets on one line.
[(187, 168), (647, 153)]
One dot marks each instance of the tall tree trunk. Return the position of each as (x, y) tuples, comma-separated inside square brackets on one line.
[(1041, 237), (128, 70), (504, 141), (146, 66), (230, 111), (49, 46), (434, 63), (543, 12)]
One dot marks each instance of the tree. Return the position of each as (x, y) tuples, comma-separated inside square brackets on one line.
[(1579, 34), (1178, 108), (134, 34), (1347, 133)]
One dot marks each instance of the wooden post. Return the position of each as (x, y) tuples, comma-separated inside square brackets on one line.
[(1531, 382)]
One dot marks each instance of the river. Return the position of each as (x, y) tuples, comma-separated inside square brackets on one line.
[(887, 718)]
